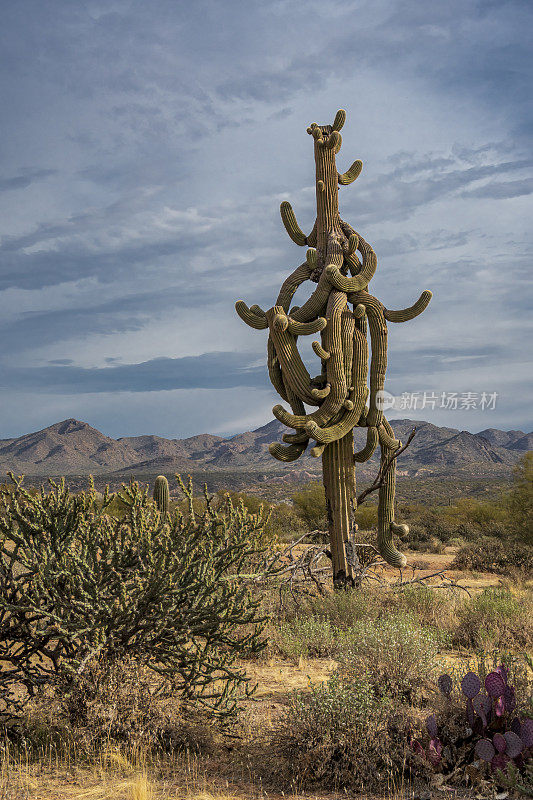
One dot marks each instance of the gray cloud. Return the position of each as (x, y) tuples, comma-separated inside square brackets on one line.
[(162, 138), (24, 179), (208, 371)]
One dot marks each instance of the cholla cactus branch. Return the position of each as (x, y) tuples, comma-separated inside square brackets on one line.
[(342, 264), (77, 578)]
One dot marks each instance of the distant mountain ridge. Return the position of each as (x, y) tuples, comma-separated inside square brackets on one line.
[(72, 447)]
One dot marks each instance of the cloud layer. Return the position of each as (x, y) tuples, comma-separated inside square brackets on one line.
[(147, 147)]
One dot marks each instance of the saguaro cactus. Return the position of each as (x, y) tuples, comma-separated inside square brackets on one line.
[(161, 494), (340, 391)]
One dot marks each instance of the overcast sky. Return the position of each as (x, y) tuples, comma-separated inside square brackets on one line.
[(146, 146)]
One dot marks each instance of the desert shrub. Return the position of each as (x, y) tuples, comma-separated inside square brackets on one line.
[(495, 618), (281, 522), (489, 554), (310, 505), (305, 636), (399, 656), (431, 545), (284, 524), (123, 702), (251, 502), (345, 609), (520, 501), (430, 608), (341, 735), (76, 583), (367, 517), (478, 513)]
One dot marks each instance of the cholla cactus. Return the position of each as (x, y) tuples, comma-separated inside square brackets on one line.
[(161, 494), (340, 391)]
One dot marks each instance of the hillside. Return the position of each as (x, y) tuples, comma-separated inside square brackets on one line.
[(72, 447)]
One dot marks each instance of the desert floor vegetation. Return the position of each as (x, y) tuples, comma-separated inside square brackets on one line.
[(346, 698)]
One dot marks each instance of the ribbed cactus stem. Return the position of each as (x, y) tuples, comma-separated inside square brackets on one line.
[(161, 494), (339, 482)]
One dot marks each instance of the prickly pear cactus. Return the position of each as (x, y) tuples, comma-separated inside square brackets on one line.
[(161, 494), (341, 309)]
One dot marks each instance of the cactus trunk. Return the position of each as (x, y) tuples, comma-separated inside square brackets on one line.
[(338, 472)]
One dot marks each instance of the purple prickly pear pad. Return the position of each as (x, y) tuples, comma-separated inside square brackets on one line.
[(485, 750), (514, 744), (495, 684), (470, 685), (445, 684)]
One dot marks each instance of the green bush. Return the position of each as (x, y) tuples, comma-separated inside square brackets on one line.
[(310, 505), (345, 609), (305, 636), (430, 608), (77, 583), (284, 524), (520, 501), (489, 554), (399, 656), (495, 619), (366, 517)]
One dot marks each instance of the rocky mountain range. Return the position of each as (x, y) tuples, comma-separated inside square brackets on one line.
[(72, 447)]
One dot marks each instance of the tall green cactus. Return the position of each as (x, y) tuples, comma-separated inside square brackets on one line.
[(161, 494), (340, 392)]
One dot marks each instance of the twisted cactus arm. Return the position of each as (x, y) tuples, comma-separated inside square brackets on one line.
[(336, 338), (411, 312), (386, 515), (386, 438), (291, 226), (290, 285), (274, 370), (350, 175), (315, 305), (294, 449), (295, 438), (295, 375), (363, 278), (305, 328), (378, 363), (386, 524), (348, 421), (367, 451), (287, 453), (350, 255), (319, 351), (311, 239), (252, 319)]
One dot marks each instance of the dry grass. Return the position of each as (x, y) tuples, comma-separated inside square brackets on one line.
[(113, 777)]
